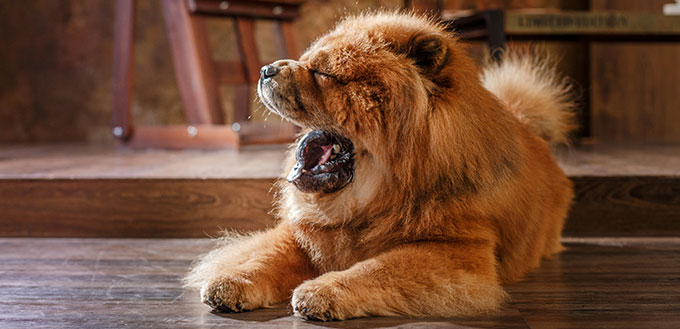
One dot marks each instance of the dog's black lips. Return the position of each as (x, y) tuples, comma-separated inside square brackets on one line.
[(325, 163)]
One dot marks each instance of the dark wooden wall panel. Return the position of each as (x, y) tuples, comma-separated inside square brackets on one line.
[(161, 208), (635, 87), (625, 206), (182, 208)]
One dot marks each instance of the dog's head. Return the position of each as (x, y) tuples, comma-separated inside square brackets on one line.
[(365, 91)]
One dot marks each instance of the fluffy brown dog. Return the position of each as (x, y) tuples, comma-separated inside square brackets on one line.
[(415, 190)]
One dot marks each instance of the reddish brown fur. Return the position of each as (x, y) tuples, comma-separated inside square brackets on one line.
[(452, 197)]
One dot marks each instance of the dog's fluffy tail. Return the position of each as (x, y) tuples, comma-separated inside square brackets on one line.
[(526, 81)]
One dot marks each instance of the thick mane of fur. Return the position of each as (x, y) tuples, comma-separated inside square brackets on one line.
[(526, 81), (453, 193)]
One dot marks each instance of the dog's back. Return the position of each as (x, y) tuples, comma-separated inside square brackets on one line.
[(527, 84)]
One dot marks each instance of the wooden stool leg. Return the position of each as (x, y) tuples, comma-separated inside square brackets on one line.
[(245, 33), (285, 31), (241, 103), (495, 27), (123, 58), (194, 68)]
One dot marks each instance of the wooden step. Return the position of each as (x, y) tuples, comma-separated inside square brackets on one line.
[(623, 190), (79, 191), (82, 191)]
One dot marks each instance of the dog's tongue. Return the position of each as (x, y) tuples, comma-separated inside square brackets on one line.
[(323, 163), (315, 148), (326, 151), (312, 156)]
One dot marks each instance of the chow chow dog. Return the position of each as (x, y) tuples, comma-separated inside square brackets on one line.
[(418, 186)]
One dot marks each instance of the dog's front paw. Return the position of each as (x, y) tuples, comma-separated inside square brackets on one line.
[(320, 299), (229, 295)]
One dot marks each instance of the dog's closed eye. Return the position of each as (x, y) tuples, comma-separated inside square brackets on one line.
[(323, 79)]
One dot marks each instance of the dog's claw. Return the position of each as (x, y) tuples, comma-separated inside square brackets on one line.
[(208, 301)]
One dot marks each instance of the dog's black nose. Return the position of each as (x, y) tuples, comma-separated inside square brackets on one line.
[(269, 71)]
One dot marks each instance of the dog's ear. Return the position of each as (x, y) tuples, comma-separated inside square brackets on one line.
[(428, 51)]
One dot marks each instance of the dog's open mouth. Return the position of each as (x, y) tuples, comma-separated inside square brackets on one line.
[(325, 163)]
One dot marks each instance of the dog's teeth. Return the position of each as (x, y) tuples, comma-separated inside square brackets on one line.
[(336, 148)]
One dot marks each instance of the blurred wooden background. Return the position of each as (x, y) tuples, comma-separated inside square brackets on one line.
[(635, 87), (56, 60)]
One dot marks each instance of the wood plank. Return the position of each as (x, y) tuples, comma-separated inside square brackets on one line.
[(253, 133), (161, 208), (136, 283), (89, 162), (555, 25), (194, 208), (199, 136), (612, 23), (600, 286), (211, 136), (259, 9), (635, 86), (627, 160), (623, 190), (619, 192), (73, 161)]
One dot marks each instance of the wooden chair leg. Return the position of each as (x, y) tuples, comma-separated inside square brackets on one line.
[(287, 44), (123, 65), (241, 103), (245, 32), (194, 68)]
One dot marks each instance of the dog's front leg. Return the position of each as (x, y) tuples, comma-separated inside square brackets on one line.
[(251, 272), (423, 279)]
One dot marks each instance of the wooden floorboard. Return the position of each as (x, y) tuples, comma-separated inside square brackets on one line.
[(108, 162), (101, 162), (133, 208), (620, 160), (115, 283)]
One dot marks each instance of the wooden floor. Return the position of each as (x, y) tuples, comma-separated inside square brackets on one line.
[(96, 162), (79, 191), (79, 161), (116, 283)]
